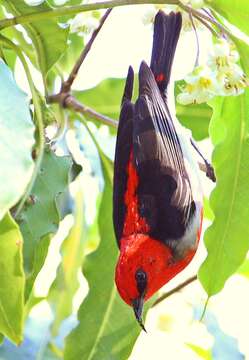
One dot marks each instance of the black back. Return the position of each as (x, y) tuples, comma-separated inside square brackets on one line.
[(164, 190)]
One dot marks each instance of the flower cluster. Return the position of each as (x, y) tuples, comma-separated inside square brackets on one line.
[(221, 76)]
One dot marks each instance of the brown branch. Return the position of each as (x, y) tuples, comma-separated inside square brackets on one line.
[(71, 103), (66, 99), (176, 289), (66, 86)]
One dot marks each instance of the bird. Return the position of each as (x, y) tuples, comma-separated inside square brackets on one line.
[(157, 193)]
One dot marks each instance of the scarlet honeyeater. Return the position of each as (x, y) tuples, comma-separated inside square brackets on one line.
[(157, 199)]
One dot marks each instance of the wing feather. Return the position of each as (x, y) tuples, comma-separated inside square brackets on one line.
[(159, 161), (122, 156)]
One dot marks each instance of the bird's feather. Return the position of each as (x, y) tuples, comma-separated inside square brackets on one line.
[(164, 189)]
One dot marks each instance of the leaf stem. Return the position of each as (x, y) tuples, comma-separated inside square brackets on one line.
[(72, 10), (40, 128), (176, 289)]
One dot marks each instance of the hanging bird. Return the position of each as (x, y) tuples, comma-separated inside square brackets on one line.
[(157, 198)]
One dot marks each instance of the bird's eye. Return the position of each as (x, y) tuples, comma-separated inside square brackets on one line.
[(141, 279)]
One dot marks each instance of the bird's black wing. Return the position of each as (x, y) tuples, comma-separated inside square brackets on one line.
[(164, 190), (122, 156)]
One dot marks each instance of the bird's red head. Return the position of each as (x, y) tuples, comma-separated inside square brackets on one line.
[(143, 267)]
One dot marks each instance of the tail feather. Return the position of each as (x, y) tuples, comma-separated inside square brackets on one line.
[(166, 34)]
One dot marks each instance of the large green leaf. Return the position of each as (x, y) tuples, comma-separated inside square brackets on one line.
[(244, 269), (105, 97), (40, 216), (66, 282), (17, 139), (235, 11), (227, 239), (48, 37), (75, 47), (243, 49), (107, 329), (38, 261), (11, 280)]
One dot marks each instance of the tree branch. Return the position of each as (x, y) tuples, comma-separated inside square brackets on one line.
[(66, 86), (176, 289), (72, 10), (70, 102), (66, 99)]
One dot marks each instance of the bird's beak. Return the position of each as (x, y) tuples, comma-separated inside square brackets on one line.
[(138, 310)]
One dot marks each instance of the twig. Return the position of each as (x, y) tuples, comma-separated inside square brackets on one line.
[(206, 18), (71, 103), (176, 289), (66, 99), (210, 14), (66, 86), (197, 39), (206, 24)]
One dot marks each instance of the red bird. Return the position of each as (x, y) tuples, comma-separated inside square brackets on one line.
[(157, 200)]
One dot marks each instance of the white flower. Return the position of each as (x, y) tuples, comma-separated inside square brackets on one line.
[(90, 25), (234, 81), (84, 23), (201, 86), (230, 76), (149, 15), (195, 4), (222, 56)]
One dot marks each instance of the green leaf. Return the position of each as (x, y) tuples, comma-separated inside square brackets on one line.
[(243, 49), (48, 37), (11, 280), (17, 139), (236, 12), (75, 47), (105, 97), (208, 213), (40, 254), (195, 117), (40, 216), (244, 269), (107, 328), (66, 282), (227, 239), (202, 353)]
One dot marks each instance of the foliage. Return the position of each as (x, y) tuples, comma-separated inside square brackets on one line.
[(37, 189), (40, 215), (15, 147), (12, 280)]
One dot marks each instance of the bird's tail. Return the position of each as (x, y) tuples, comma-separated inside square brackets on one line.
[(166, 34)]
